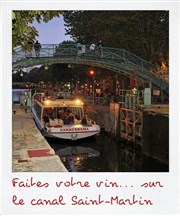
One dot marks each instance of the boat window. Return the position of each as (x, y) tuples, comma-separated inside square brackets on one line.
[(51, 112), (61, 112), (77, 111)]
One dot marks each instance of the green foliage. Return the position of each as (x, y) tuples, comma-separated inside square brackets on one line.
[(144, 33), (55, 73), (22, 29), (62, 73), (68, 42)]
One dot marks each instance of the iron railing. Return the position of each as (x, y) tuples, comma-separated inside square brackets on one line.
[(117, 60)]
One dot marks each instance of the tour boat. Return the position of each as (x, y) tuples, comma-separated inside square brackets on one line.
[(62, 118)]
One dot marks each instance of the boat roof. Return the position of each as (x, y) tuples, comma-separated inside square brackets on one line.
[(50, 101), (61, 103)]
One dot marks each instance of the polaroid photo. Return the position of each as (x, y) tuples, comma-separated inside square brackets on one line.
[(89, 107)]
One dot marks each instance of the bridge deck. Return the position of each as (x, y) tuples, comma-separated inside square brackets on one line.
[(117, 60)]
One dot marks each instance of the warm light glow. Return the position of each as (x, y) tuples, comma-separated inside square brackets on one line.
[(78, 158), (163, 66), (47, 102), (78, 101), (78, 126), (69, 66), (91, 72)]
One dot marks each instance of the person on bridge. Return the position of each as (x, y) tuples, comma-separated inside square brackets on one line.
[(100, 45), (79, 49), (37, 47), (92, 48)]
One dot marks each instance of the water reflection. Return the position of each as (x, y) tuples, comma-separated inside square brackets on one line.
[(73, 156), (103, 154)]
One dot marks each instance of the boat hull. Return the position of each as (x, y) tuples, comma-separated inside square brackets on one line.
[(70, 135), (70, 132)]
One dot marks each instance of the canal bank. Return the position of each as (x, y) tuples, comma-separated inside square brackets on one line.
[(148, 127), (30, 150)]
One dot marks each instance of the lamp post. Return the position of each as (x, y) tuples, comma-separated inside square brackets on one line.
[(116, 84), (46, 67), (21, 74), (93, 74)]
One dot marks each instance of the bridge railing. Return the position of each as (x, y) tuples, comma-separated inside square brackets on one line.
[(113, 57), (72, 50), (45, 51), (128, 57)]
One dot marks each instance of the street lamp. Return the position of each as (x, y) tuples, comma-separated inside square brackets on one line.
[(21, 74), (69, 66), (46, 67), (116, 85), (92, 73)]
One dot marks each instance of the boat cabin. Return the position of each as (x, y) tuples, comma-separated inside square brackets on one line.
[(57, 112)]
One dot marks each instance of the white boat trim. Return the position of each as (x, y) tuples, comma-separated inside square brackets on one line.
[(69, 131)]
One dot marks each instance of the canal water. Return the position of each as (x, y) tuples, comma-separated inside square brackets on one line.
[(104, 154)]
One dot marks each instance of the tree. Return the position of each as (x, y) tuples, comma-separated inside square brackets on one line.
[(22, 30), (144, 33), (80, 25)]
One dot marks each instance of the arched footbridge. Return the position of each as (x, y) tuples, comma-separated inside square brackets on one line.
[(117, 60)]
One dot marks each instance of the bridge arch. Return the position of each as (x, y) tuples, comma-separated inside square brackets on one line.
[(116, 60)]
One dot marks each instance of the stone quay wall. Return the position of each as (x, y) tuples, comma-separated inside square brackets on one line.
[(155, 131), (156, 136), (30, 150), (105, 116)]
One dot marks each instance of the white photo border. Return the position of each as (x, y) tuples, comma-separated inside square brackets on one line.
[(168, 200)]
